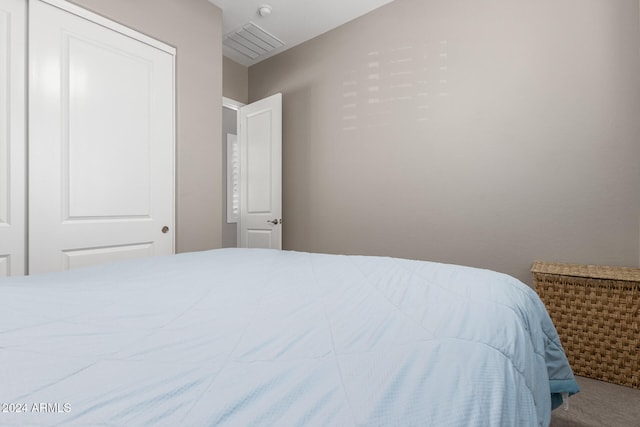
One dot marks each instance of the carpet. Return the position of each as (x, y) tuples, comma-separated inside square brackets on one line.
[(600, 404)]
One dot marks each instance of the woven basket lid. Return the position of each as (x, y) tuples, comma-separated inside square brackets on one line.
[(592, 271)]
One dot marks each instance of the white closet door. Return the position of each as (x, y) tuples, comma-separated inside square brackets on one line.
[(12, 136), (101, 141)]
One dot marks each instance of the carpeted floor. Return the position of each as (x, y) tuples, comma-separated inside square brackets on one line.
[(600, 404)]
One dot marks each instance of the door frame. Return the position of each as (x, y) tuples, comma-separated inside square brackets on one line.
[(231, 103), (227, 226), (13, 224), (105, 22)]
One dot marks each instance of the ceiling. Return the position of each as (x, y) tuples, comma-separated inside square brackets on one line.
[(290, 21)]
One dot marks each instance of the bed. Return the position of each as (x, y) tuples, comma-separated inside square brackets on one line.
[(251, 337)]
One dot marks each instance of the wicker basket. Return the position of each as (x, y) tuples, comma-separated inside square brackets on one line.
[(596, 310)]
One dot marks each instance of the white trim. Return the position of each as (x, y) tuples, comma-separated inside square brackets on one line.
[(100, 20), (13, 82), (231, 104), (174, 166)]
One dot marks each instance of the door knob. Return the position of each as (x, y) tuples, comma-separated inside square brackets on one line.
[(165, 229), (274, 221)]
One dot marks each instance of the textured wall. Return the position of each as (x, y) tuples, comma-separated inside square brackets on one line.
[(488, 133)]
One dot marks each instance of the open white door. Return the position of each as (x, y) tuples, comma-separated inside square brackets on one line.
[(101, 140), (260, 136), (13, 26)]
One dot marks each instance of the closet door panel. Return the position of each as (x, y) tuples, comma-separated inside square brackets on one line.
[(101, 153), (106, 87), (12, 136)]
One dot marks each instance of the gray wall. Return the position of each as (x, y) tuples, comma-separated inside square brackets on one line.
[(194, 27), (488, 133), (235, 81)]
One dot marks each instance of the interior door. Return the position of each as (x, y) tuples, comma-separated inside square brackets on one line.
[(101, 140), (260, 136), (12, 137)]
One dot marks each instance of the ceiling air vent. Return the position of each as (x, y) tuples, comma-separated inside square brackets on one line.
[(252, 41)]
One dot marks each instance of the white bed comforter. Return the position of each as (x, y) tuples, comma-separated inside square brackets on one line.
[(258, 337)]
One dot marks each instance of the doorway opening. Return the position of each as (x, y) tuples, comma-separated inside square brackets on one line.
[(229, 132), (253, 173)]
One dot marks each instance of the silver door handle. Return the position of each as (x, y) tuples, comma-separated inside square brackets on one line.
[(274, 221)]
